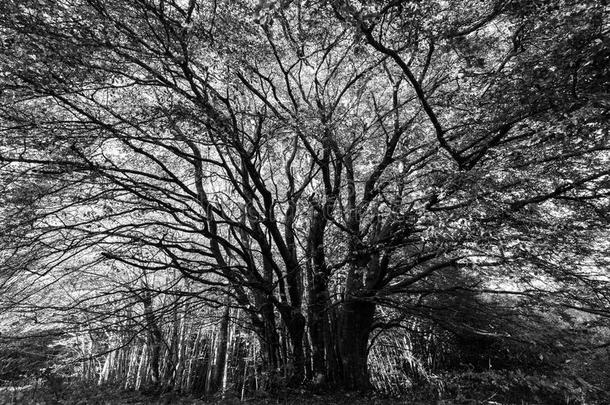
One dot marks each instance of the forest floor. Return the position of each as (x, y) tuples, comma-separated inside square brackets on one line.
[(96, 396)]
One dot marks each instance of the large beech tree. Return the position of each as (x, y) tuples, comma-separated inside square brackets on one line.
[(320, 161)]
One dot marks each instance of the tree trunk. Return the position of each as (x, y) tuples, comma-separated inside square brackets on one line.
[(308, 370), (155, 339), (296, 330), (294, 321), (269, 337), (221, 352), (319, 305), (355, 321)]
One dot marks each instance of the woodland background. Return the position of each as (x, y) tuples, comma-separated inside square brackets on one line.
[(275, 199)]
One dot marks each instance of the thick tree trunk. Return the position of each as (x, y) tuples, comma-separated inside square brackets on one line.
[(323, 357), (270, 338), (319, 331), (317, 308), (296, 330), (355, 321), (264, 322)]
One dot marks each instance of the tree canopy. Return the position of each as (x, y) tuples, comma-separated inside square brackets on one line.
[(335, 170)]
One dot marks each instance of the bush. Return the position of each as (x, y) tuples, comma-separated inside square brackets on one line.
[(27, 356), (515, 387)]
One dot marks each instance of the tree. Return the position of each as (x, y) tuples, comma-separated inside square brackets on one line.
[(318, 160)]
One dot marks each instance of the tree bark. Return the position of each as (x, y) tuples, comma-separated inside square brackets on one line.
[(296, 331), (221, 352), (355, 322), (319, 305), (155, 339)]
